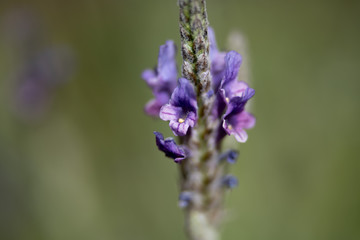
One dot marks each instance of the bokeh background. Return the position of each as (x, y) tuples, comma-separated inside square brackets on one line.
[(77, 154)]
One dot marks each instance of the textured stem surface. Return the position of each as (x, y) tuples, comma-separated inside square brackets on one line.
[(201, 173)]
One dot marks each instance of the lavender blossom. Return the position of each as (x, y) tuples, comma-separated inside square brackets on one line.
[(170, 148), (182, 109), (161, 80), (235, 120), (207, 104), (229, 86)]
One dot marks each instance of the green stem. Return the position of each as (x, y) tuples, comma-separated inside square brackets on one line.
[(201, 173)]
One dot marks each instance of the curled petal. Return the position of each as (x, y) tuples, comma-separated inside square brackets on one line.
[(170, 148)]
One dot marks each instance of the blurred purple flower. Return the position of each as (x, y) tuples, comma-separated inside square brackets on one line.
[(230, 181), (182, 109), (230, 156), (162, 80)]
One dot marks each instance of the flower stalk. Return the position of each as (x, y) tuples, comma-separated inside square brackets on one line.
[(198, 172), (202, 107)]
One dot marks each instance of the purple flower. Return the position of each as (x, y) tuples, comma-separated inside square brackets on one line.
[(230, 181), (181, 111), (235, 119), (217, 59), (161, 80), (230, 87), (170, 148)]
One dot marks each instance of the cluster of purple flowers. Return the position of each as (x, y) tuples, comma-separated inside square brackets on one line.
[(175, 100)]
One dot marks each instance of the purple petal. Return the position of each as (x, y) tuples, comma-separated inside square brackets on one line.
[(184, 96), (150, 77), (237, 104), (162, 80), (236, 124), (179, 128), (169, 112), (170, 148), (232, 65), (153, 107), (191, 119), (245, 120), (217, 69), (178, 125), (236, 88), (167, 62), (217, 60), (181, 112), (239, 134)]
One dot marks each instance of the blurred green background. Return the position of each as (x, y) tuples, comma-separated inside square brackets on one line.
[(88, 168)]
